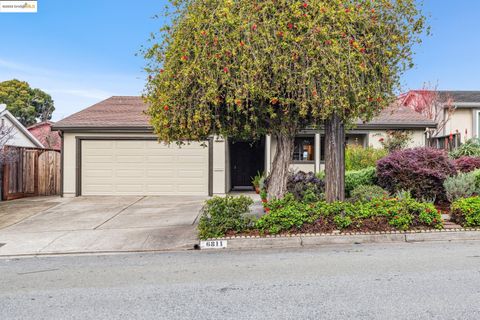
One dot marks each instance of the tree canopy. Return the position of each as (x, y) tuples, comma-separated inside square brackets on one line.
[(27, 104), (248, 68)]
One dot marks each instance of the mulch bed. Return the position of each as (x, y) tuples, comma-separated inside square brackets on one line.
[(324, 225)]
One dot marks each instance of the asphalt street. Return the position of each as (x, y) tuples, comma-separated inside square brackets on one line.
[(391, 281)]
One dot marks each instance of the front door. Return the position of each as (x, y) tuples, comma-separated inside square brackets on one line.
[(246, 159)]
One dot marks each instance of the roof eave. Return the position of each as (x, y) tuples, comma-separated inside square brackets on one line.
[(133, 129)]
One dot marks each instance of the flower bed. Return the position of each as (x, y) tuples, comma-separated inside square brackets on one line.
[(290, 216), (466, 211)]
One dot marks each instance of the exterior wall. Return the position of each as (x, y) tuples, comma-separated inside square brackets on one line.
[(219, 165), (461, 120), (418, 138), (70, 153), (19, 139)]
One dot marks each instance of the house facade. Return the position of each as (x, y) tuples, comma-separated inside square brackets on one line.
[(110, 149), (43, 132), (18, 135), (458, 112)]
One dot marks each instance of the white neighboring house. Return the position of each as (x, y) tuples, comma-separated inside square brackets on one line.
[(20, 136)]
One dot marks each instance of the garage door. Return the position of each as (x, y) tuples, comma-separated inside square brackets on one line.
[(143, 167)]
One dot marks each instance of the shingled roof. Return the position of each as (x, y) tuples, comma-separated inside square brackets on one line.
[(121, 112), (114, 112), (461, 96)]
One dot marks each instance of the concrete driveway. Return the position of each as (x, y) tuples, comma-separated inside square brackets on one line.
[(98, 224)]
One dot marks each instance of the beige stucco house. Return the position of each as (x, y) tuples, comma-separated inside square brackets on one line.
[(110, 149), (456, 113)]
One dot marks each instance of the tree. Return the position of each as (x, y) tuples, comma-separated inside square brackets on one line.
[(43, 104), (433, 105), (25, 103), (244, 69)]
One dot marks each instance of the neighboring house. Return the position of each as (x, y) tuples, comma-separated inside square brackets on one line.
[(464, 121), (110, 149), (43, 132), (20, 136)]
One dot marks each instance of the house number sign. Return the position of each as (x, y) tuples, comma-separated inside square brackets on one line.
[(213, 244)]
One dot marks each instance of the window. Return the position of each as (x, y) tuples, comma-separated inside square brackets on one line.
[(322, 148), (304, 149)]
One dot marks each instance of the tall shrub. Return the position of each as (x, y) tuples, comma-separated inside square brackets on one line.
[(358, 157), (420, 170)]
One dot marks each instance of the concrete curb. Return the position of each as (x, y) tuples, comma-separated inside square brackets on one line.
[(306, 240)]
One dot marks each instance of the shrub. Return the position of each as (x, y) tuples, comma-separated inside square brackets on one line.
[(396, 140), (357, 157), (290, 215), (223, 214), (470, 148), (284, 214), (467, 164), (466, 211), (366, 193), (459, 186), (422, 171), (357, 178), (302, 184)]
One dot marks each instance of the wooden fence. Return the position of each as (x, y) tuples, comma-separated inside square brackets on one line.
[(31, 172)]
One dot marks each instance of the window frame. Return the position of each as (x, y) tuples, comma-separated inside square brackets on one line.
[(304, 136)]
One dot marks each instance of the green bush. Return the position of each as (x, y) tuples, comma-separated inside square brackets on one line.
[(460, 186), (288, 214), (223, 214), (366, 193), (471, 148), (284, 214), (358, 158), (466, 211), (357, 178), (476, 174)]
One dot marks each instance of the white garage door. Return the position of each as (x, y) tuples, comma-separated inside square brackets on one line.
[(143, 167)]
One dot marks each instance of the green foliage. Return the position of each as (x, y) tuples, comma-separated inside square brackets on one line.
[(365, 193), (471, 148), (358, 158), (466, 211), (223, 214), (396, 140), (27, 104), (342, 222), (460, 186), (476, 174), (247, 68), (288, 214), (357, 178), (284, 214), (256, 180)]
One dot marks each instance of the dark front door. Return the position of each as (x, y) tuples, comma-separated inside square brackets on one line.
[(246, 159)]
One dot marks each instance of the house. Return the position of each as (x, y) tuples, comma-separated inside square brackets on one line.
[(110, 149), (43, 132), (462, 123), (14, 133)]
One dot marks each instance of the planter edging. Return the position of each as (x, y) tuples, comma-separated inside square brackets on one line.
[(313, 239)]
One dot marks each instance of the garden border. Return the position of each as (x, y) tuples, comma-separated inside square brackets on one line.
[(316, 239)]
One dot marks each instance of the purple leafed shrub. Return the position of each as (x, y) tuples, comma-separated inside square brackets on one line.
[(420, 170), (467, 164)]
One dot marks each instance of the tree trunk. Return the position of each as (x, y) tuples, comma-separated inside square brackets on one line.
[(334, 159), (277, 184)]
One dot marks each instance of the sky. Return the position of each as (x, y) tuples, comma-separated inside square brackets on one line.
[(81, 52)]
